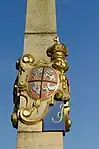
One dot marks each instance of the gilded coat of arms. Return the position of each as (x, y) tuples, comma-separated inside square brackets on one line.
[(39, 85)]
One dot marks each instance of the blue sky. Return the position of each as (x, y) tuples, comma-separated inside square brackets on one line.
[(78, 26)]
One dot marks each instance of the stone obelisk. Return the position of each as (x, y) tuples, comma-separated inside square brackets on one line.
[(40, 30)]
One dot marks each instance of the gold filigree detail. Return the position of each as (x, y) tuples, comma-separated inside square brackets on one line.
[(60, 115), (58, 53), (58, 95), (63, 114), (25, 64), (24, 115), (14, 119)]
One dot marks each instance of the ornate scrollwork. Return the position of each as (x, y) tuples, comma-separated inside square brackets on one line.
[(39, 84), (35, 86), (60, 115), (58, 53)]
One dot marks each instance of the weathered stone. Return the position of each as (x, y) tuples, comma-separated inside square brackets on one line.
[(38, 44), (41, 16), (30, 128), (43, 140), (40, 31)]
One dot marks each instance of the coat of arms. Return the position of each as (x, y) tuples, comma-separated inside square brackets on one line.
[(39, 85)]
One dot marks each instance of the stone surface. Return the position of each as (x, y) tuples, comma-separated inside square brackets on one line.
[(40, 31), (43, 140), (30, 128), (41, 16), (38, 44)]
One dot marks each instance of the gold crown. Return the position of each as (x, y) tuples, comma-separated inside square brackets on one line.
[(57, 50)]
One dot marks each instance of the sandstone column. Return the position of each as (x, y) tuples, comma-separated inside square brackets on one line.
[(40, 27), (40, 31)]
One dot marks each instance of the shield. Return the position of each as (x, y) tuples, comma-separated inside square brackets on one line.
[(42, 82)]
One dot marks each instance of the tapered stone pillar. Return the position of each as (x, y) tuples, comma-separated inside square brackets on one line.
[(40, 30), (40, 27)]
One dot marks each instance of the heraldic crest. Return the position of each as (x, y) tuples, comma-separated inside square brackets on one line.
[(39, 85)]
